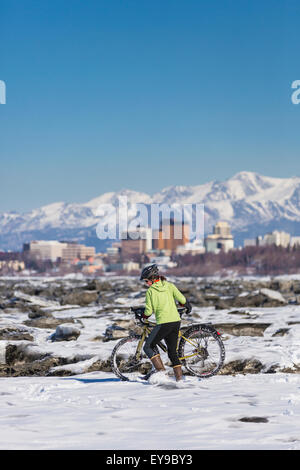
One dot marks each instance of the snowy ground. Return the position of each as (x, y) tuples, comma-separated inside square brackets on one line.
[(97, 411)]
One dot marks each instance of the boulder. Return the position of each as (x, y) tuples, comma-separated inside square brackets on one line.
[(65, 332), (20, 362), (115, 332), (258, 298), (273, 296), (47, 321), (254, 419), (37, 312), (22, 353), (242, 329), (242, 366), (127, 324), (285, 285), (80, 297), (15, 334), (98, 286)]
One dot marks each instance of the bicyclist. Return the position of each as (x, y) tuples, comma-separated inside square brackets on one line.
[(160, 299)]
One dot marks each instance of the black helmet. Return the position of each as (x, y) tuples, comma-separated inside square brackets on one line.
[(149, 272)]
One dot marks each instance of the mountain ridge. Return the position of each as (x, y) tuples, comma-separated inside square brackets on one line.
[(247, 199)]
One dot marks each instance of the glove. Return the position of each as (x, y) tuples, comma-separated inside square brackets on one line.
[(141, 315), (188, 306)]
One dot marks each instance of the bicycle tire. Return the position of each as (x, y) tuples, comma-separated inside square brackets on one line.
[(205, 355), (123, 362)]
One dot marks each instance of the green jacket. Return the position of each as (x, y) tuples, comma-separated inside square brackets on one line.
[(160, 299)]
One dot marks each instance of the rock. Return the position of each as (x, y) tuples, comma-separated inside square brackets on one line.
[(126, 324), (239, 312), (22, 353), (36, 312), (291, 370), (65, 332), (254, 419), (47, 322), (104, 310), (99, 286), (98, 338), (211, 297), (236, 296), (196, 298), (12, 304), (275, 285), (105, 286), (93, 285), (59, 372), (285, 285), (115, 332), (296, 287), (81, 297), (273, 295), (15, 334), (32, 300), (242, 366), (281, 332), (103, 366), (37, 368), (221, 305), (242, 329), (261, 298)]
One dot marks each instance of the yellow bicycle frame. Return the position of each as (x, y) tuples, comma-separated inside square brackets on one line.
[(147, 330)]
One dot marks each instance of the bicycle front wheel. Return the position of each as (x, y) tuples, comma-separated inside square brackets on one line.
[(128, 360), (201, 351)]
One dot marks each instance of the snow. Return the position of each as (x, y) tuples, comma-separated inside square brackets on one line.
[(2, 351), (97, 411)]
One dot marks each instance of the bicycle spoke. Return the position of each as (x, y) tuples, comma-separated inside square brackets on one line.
[(202, 352), (127, 362)]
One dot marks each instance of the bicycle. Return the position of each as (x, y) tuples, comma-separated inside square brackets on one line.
[(200, 349)]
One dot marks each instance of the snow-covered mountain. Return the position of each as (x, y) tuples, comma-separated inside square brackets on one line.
[(253, 204)]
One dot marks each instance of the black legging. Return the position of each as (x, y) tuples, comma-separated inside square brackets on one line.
[(168, 332)]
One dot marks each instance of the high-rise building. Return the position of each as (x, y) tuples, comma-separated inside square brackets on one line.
[(136, 242), (46, 249), (53, 250), (222, 229), (277, 238), (76, 251), (170, 235), (295, 241), (220, 239)]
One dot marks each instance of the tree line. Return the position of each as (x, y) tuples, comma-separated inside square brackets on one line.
[(251, 260)]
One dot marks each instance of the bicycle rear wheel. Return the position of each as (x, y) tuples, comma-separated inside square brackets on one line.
[(126, 362), (201, 351)]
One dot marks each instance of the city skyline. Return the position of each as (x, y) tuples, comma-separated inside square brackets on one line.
[(248, 202)]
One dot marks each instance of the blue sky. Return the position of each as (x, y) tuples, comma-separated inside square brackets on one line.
[(107, 95)]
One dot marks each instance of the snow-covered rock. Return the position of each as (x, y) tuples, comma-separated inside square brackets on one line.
[(273, 294), (65, 332)]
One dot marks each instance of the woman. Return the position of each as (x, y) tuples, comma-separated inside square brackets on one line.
[(160, 299)]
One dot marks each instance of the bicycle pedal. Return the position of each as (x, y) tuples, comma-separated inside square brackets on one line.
[(143, 377), (147, 376)]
